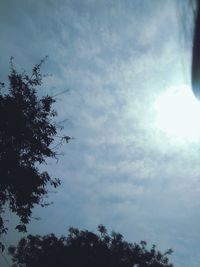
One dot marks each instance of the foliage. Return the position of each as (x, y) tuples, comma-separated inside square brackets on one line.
[(26, 133), (86, 249)]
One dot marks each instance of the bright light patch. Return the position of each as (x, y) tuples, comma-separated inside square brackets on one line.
[(178, 114)]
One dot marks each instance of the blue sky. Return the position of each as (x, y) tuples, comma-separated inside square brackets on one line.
[(116, 58)]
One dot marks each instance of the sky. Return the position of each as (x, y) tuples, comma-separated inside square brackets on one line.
[(133, 164)]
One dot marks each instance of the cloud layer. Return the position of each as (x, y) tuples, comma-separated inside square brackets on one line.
[(116, 58)]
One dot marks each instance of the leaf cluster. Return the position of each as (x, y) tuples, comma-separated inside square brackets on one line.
[(86, 249), (26, 133)]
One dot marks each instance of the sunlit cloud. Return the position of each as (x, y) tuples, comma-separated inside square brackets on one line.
[(178, 113)]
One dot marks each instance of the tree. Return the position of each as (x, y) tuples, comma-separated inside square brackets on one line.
[(26, 134), (86, 249)]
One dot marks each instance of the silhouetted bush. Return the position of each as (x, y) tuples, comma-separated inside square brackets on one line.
[(86, 249)]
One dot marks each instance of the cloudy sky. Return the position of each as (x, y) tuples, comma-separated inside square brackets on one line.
[(134, 164)]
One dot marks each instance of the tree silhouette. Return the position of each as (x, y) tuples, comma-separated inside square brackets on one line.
[(86, 249), (26, 134)]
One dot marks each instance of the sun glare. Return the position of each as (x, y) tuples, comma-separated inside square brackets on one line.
[(178, 114)]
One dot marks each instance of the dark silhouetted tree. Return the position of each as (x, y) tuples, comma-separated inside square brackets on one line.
[(26, 134), (86, 249)]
